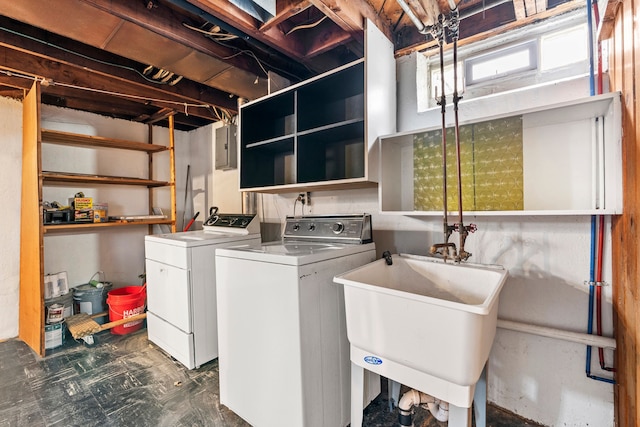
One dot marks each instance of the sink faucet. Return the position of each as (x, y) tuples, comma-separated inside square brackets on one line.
[(446, 250)]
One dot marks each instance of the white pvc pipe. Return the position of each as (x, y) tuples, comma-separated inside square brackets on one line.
[(438, 408), (422, 29), (577, 337)]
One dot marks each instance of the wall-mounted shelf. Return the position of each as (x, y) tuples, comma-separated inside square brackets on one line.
[(561, 159), (321, 134), (92, 225), (67, 138), (62, 177)]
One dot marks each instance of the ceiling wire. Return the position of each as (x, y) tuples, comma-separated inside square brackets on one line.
[(305, 26), (124, 67), (183, 105), (250, 53), (210, 33), (220, 38)]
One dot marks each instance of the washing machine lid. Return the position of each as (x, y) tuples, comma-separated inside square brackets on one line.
[(294, 253), (200, 238)]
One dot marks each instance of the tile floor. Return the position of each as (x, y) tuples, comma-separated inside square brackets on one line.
[(128, 381)]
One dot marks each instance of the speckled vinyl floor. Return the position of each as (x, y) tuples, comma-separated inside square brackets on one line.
[(128, 381)]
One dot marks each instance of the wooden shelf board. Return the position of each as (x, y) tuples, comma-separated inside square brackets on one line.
[(66, 138), (60, 177), (81, 226)]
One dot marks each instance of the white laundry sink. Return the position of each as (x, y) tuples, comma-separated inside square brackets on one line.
[(424, 315)]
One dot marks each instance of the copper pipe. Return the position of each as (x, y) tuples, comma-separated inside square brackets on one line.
[(439, 33), (454, 29)]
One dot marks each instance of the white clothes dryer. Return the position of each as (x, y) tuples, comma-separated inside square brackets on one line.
[(181, 286)]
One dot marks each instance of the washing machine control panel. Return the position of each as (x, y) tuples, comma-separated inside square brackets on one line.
[(329, 228)]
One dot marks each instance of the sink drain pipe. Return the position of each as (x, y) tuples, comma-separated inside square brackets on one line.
[(438, 408)]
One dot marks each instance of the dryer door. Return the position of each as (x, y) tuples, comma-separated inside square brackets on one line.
[(169, 294)]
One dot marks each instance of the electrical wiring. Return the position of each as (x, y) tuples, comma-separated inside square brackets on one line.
[(124, 67), (305, 26), (215, 34), (225, 117), (247, 52), (250, 53), (218, 38), (50, 82)]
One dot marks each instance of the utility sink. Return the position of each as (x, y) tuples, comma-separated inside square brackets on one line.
[(423, 322)]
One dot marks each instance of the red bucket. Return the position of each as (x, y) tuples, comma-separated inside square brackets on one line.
[(126, 302)]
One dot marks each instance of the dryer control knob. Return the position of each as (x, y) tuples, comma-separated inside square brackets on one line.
[(312, 227), (296, 227), (337, 227)]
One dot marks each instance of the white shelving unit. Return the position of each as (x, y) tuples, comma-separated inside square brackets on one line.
[(571, 161)]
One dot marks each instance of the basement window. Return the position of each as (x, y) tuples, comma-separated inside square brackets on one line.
[(502, 63), (554, 51), (540, 53)]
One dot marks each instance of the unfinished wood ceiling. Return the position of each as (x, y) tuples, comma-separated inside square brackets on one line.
[(145, 59)]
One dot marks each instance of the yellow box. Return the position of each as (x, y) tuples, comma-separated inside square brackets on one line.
[(81, 203), (100, 212)]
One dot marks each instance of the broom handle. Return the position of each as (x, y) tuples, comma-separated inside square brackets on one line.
[(122, 321)]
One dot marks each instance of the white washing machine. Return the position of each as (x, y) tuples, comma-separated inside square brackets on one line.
[(283, 348), (181, 286)]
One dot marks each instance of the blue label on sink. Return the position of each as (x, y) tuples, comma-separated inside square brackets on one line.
[(372, 360)]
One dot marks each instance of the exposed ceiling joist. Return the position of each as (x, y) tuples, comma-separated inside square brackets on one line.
[(210, 52)]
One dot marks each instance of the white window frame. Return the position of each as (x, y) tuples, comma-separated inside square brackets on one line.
[(530, 47)]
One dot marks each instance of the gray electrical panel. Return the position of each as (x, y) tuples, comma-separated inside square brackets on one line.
[(226, 147)]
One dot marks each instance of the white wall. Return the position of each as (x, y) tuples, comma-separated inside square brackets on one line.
[(538, 378), (210, 187), (118, 252), (11, 166)]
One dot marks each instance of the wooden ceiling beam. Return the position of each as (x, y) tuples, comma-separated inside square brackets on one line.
[(119, 108), (185, 90), (272, 37), (350, 15), (326, 41), (161, 20), (519, 9), (541, 6), (15, 82), (286, 9), (530, 7), (69, 74)]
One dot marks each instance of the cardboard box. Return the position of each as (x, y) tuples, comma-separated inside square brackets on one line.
[(100, 212), (84, 215), (81, 203)]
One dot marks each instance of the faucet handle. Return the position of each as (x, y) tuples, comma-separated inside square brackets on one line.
[(387, 257), (471, 228)]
